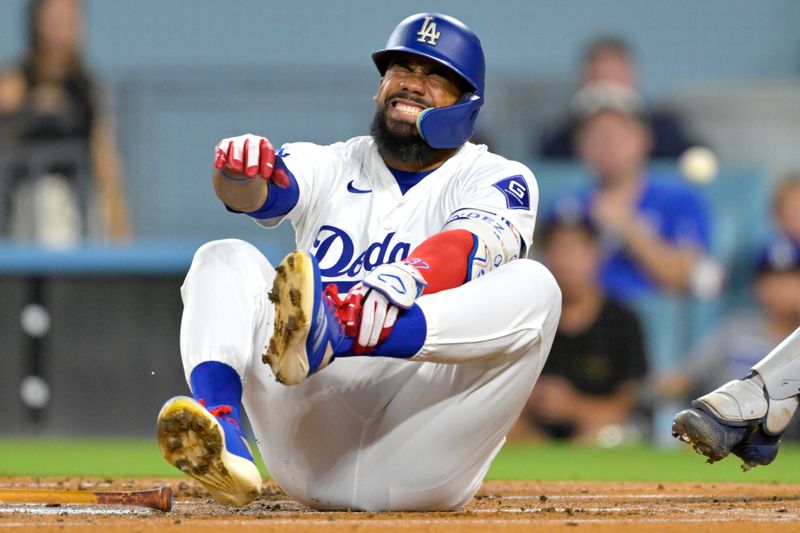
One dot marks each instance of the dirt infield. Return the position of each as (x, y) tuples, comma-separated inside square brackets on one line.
[(502, 506)]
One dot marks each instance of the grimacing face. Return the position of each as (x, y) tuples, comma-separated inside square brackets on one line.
[(412, 84)]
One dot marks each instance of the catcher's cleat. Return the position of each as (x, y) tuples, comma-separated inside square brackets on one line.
[(712, 437), (208, 445), (308, 329), (739, 417)]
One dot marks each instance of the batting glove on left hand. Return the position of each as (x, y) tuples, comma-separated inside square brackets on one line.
[(383, 292), (249, 156)]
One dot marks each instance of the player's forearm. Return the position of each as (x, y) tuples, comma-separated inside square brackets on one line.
[(239, 193), (472, 243), (443, 259)]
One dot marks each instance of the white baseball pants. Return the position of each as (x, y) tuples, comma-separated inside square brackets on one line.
[(378, 433)]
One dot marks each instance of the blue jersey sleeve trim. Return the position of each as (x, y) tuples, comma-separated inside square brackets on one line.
[(279, 200), (471, 257)]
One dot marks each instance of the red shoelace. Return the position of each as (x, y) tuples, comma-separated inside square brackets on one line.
[(221, 411), (347, 309)]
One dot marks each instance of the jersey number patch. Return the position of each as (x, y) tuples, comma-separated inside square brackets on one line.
[(515, 189)]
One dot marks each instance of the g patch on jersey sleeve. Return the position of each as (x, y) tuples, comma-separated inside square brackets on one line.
[(515, 189)]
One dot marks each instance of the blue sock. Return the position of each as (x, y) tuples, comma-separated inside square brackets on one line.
[(216, 384), (345, 348), (407, 336)]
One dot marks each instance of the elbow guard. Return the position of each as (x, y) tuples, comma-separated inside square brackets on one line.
[(497, 241)]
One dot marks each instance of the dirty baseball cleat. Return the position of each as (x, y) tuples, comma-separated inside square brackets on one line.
[(711, 437), (308, 329), (737, 418), (208, 444)]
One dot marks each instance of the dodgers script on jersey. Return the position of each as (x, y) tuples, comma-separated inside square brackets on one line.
[(352, 215)]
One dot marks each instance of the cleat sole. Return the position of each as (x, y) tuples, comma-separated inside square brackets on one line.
[(698, 431), (192, 441), (293, 297), (716, 441)]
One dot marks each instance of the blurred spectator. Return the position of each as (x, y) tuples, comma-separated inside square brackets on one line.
[(732, 349), (786, 207), (746, 337), (50, 111), (654, 231), (591, 378), (609, 66)]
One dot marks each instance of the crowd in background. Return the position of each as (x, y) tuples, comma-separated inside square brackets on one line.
[(630, 232), (63, 178)]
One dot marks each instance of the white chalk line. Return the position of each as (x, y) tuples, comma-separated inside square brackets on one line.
[(68, 510), (62, 485), (189, 507)]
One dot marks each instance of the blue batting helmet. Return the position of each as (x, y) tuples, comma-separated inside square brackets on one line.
[(449, 42)]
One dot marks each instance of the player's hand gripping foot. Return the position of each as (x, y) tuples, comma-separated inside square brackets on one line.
[(736, 418), (208, 444), (308, 328)]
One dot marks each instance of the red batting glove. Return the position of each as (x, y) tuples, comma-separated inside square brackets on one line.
[(250, 156)]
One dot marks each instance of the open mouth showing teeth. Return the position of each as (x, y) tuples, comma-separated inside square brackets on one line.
[(406, 109)]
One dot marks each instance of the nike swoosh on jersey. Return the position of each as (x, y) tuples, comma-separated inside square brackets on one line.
[(351, 188)]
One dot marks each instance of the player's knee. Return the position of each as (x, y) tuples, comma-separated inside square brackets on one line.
[(538, 303), (537, 284), (228, 251)]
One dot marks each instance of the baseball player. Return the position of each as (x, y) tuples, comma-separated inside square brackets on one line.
[(747, 416), (404, 335)]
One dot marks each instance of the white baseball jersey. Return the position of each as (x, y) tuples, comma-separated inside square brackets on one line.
[(352, 215), (351, 436)]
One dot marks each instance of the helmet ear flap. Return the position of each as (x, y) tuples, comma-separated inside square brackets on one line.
[(450, 126)]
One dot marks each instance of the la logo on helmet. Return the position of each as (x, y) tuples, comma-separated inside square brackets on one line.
[(428, 33)]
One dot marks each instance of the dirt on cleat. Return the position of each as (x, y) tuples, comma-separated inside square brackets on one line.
[(293, 299), (273, 296), (191, 440)]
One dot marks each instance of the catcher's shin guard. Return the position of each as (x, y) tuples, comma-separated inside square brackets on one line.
[(308, 331), (208, 444)]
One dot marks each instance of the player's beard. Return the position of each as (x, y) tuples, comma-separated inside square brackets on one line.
[(401, 140)]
